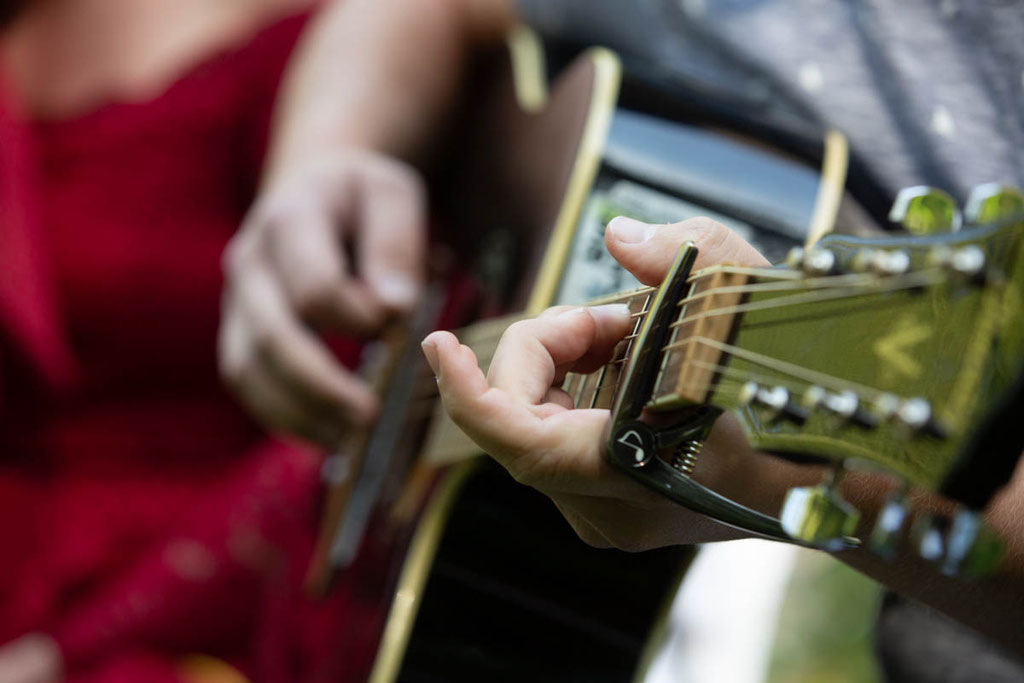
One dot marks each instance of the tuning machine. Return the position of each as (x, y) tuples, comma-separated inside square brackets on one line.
[(814, 261), (775, 401), (991, 202), (890, 526), (923, 210), (961, 545), (881, 261), (819, 516)]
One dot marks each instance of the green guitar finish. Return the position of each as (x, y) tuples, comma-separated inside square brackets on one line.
[(954, 341)]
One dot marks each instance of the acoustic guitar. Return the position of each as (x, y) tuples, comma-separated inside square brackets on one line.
[(459, 573)]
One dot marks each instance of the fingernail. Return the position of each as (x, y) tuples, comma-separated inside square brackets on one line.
[(430, 351), (630, 231), (610, 311), (396, 290)]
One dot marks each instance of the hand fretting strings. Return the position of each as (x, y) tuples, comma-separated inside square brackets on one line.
[(483, 337)]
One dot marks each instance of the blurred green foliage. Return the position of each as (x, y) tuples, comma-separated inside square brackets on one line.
[(826, 625)]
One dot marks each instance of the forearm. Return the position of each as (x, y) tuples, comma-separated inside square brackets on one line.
[(994, 605), (379, 74)]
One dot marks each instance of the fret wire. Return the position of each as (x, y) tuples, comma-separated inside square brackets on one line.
[(597, 386), (578, 394), (481, 340), (629, 339)]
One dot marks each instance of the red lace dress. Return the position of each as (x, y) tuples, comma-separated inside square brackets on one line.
[(142, 515)]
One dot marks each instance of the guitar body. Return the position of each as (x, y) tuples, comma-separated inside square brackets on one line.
[(480, 578)]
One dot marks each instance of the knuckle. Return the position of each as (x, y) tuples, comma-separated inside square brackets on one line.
[(517, 331), (394, 177), (711, 236), (554, 311), (460, 413)]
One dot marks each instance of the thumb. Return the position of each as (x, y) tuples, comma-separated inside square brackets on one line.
[(647, 250)]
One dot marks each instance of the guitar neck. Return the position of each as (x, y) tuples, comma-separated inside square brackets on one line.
[(848, 363)]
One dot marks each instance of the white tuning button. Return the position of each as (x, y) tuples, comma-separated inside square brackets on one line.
[(748, 393), (915, 413), (844, 404), (890, 526), (890, 262), (775, 399), (968, 261), (972, 548), (817, 262), (929, 536)]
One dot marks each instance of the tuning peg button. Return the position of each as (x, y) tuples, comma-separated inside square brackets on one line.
[(972, 548), (991, 202), (929, 536), (775, 400), (819, 516), (890, 526), (881, 261), (968, 261), (924, 210)]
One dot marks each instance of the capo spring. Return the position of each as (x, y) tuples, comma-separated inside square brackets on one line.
[(684, 460)]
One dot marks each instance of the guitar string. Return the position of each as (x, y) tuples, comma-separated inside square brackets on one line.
[(831, 281), (808, 375), (823, 378), (483, 334), (485, 354), (733, 378), (740, 377), (912, 281), (915, 280), (769, 272), (919, 279)]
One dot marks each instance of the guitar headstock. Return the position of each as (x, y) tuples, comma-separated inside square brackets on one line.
[(888, 354)]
